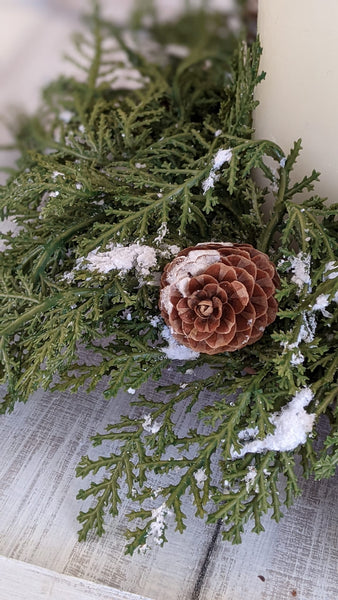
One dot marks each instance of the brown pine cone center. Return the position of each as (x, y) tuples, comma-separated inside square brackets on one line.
[(205, 308)]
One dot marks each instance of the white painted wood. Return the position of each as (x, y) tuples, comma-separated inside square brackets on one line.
[(21, 581), (41, 443)]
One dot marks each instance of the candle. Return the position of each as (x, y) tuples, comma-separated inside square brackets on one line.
[(299, 96)]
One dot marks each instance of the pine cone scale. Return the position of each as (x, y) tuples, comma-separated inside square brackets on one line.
[(246, 279), (238, 296), (245, 320), (265, 282), (226, 323), (272, 309), (221, 271), (197, 283), (260, 301)]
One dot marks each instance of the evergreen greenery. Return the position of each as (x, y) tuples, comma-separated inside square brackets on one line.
[(105, 163)]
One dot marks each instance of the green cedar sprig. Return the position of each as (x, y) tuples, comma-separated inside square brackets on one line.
[(105, 164)]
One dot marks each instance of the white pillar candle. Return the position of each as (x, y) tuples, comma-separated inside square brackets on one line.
[(299, 96)]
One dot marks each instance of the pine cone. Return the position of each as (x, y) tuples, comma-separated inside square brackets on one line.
[(218, 297)]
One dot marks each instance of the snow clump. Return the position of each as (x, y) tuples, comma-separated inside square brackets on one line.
[(174, 350), (300, 266), (292, 424), (221, 157)]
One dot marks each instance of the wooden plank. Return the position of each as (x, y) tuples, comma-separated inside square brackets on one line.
[(41, 443), (21, 581), (297, 557)]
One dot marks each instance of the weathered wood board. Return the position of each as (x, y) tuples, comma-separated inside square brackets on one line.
[(41, 443)]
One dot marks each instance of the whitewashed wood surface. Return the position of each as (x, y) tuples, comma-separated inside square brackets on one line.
[(22, 581), (41, 443)]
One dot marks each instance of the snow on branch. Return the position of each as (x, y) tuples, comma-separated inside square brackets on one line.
[(300, 266), (221, 157), (292, 424), (174, 350)]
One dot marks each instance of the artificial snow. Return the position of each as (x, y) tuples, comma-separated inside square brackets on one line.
[(200, 477), (292, 424), (174, 350), (123, 259), (126, 314), (332, 269), (150, 426), (56, 174), (66, 116), (322, 301), (162, 232), (169, 250), (177, 50), (250, 478), (307, 330), (297, 358), (6, 226), (300, 266), (158, 525), (120, 258), (248, 434), (196, 262), (221, 157), (165, 250), (155, 321)]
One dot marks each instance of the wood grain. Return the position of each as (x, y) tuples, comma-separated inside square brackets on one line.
[(21, 581), (42, 442)]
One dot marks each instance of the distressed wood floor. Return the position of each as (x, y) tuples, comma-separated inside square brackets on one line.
[(41, 443)]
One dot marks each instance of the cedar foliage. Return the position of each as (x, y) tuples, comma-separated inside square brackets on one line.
[(109, 162)]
